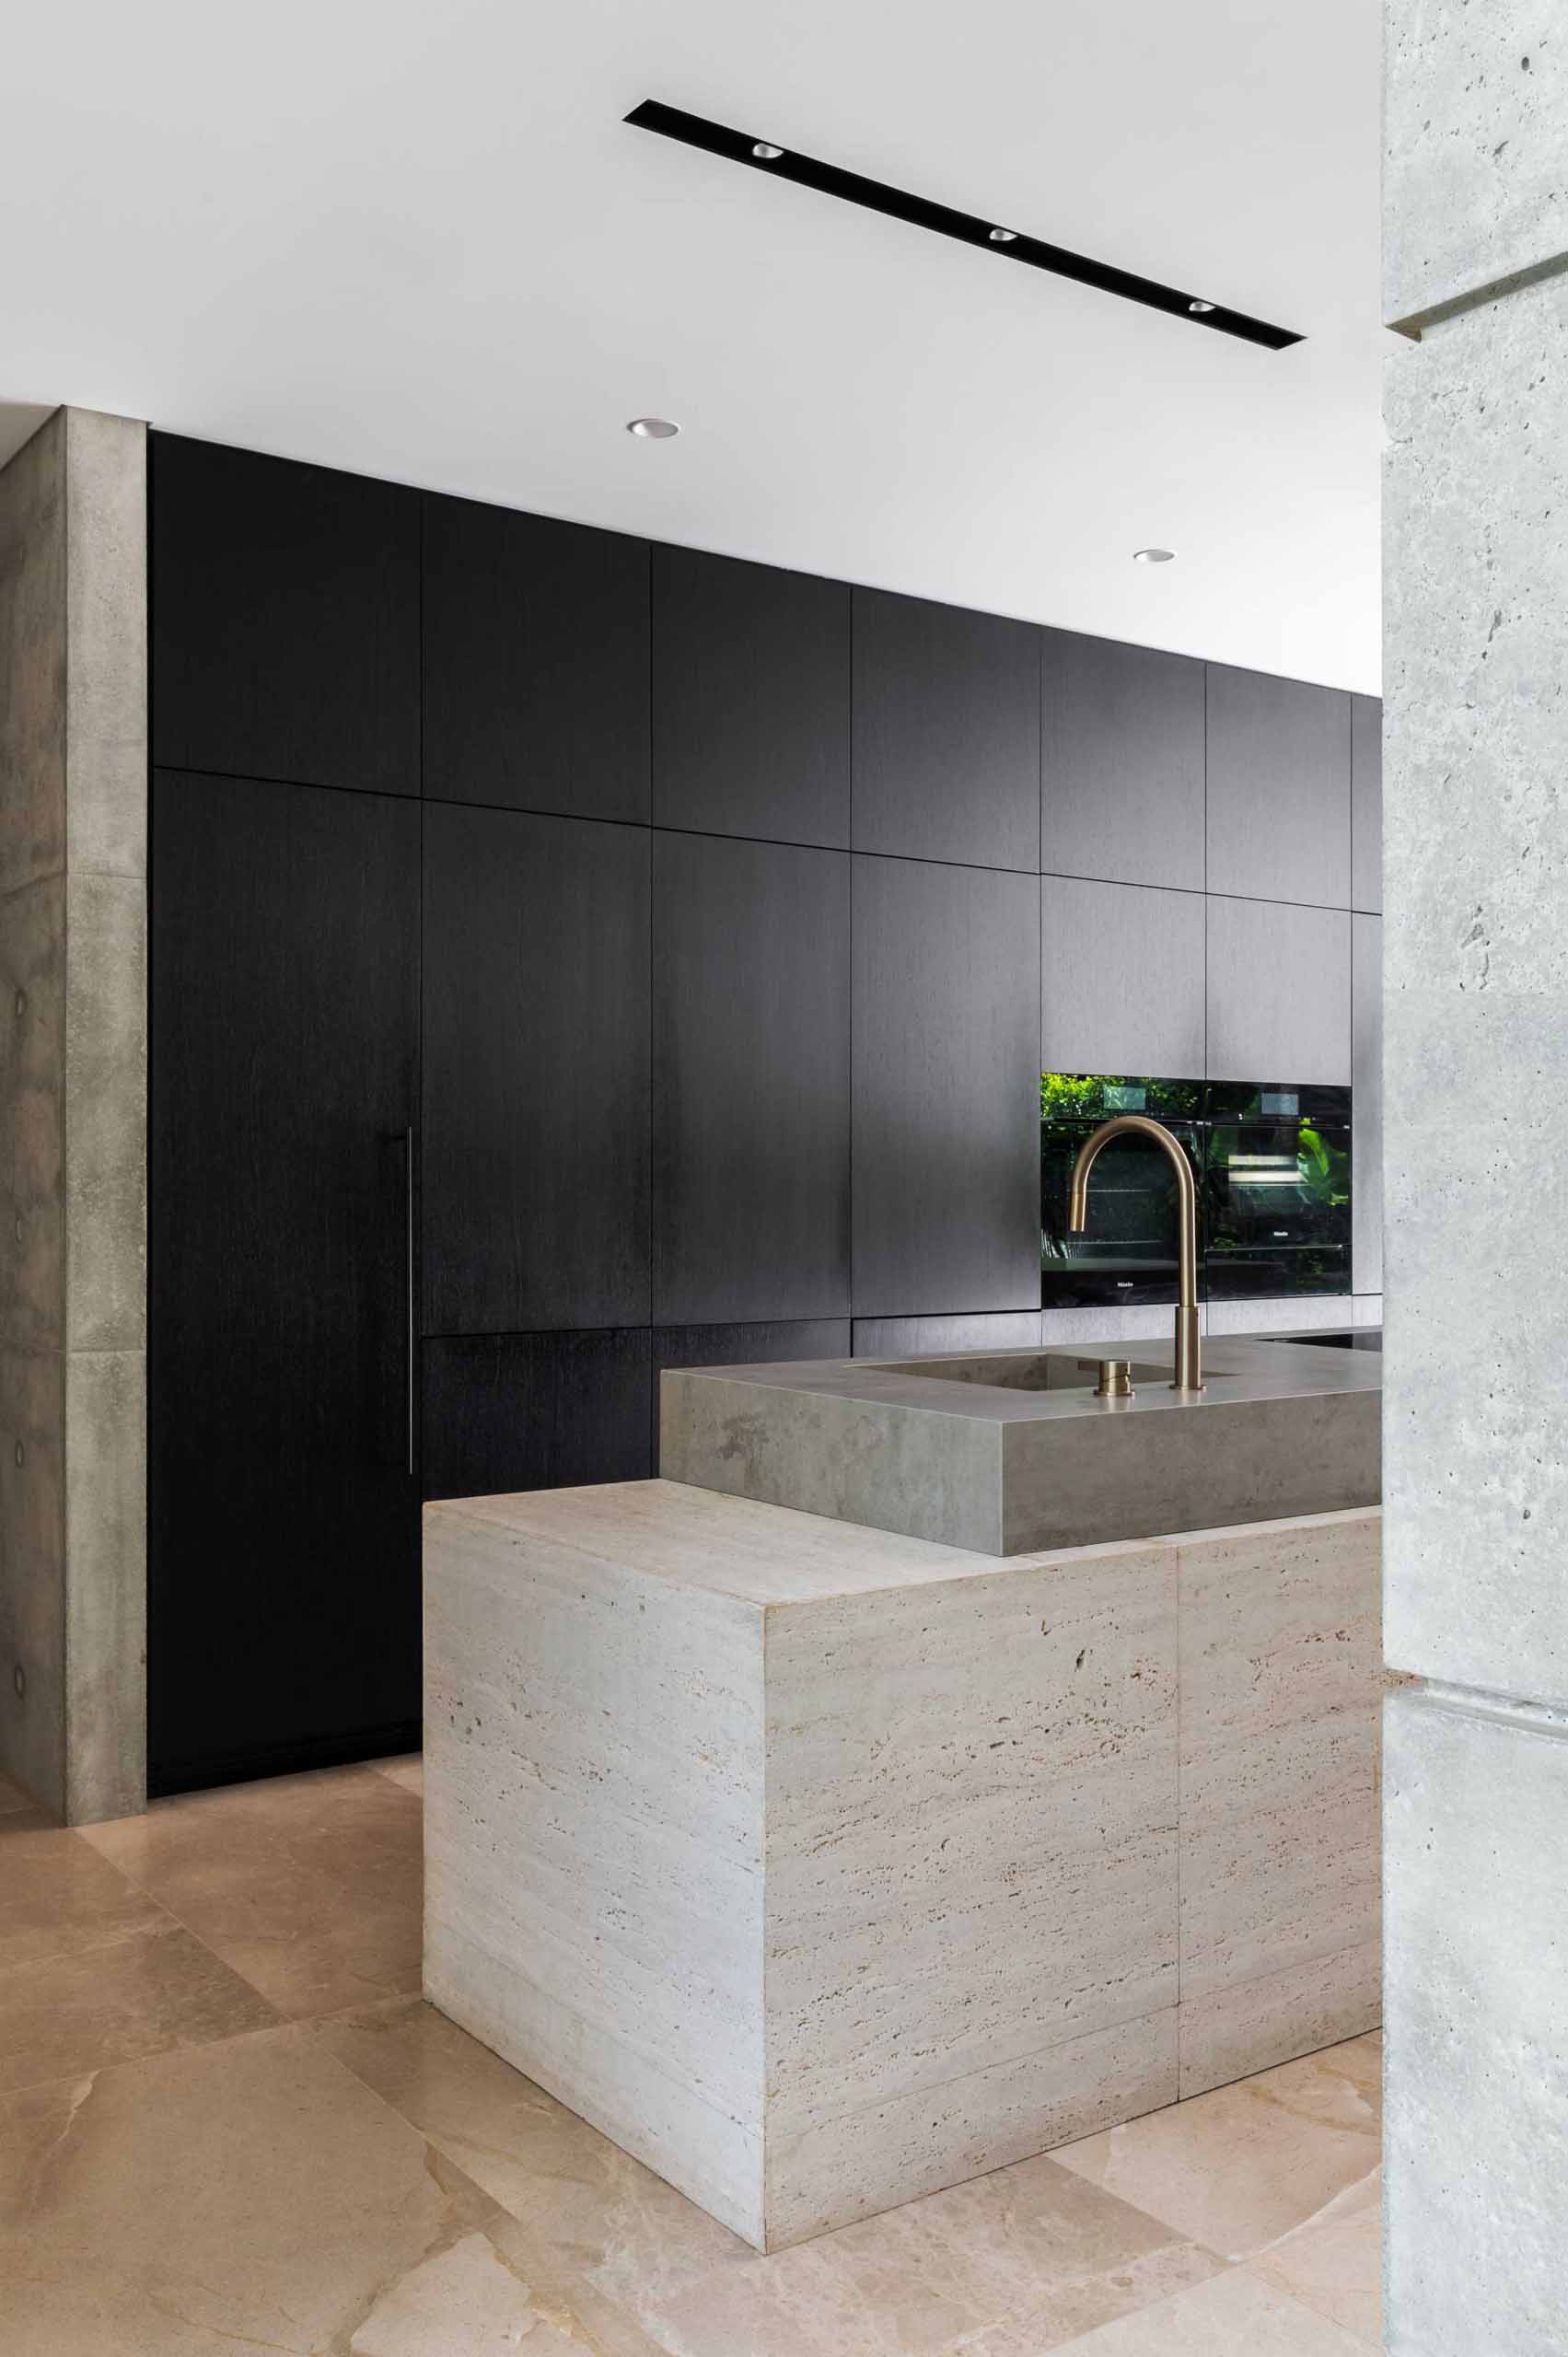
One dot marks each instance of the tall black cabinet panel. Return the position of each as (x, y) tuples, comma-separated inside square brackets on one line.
[(1279, 789), (536, 1411), (536, 663), (751, 1081), (283, 1624), (946, 733), (284, 620), (535, 1071), (751, 700), (1123, 762), (946, 1089)]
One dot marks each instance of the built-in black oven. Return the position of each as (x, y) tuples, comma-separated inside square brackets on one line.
[(1273, 1170), (1276, 1192), (1129, 1251)]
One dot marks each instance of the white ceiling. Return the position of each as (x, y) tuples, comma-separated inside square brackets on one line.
[(417, 240)]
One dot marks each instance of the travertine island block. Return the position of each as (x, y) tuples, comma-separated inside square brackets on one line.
[(822, 1867)]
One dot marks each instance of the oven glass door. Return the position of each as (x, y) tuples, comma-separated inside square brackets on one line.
[(1129, 1251), (1276, 1192)]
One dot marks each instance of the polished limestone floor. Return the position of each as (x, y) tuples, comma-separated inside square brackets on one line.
[(228, 2125)]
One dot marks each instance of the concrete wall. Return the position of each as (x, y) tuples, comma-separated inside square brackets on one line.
[(73, 1115), (1476, 1252)]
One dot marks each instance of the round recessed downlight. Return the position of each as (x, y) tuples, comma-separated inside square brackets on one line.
[(653, 429), (1004, 236), (1152, 556), (1199, 309), (764, 153)]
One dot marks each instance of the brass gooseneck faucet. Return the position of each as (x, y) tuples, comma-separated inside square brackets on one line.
[(1189, 1346)]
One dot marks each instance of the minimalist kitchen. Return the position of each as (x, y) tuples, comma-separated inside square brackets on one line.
[(691, 1415)]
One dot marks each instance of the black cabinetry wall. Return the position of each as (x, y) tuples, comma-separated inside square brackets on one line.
[(283, 1592), (689, 915)]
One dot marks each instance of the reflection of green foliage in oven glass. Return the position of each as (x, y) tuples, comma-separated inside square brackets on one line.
[(1085, 1097), (1064, 1095), (1321, 1167)]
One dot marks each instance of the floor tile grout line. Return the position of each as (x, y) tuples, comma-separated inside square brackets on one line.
[(205, 1944)]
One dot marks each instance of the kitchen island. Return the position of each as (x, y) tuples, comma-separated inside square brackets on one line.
[(822, 1865)]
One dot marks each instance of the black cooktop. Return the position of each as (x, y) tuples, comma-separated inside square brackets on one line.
[(1362, 1338)]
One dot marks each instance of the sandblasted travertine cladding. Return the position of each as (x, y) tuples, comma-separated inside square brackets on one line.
[(828, 2172), (821, 1866), (1475, 1806), (106, 684), (739, 1547), (32, 660), (1281, 1688), (1475, 181), (1253, 2025), (32, 1573), (971, 1824), (593, 1760), (1476, 1011)]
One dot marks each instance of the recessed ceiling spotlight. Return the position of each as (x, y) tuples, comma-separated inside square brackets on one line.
[(1004, 236), (1199, 309), (653, 429), (763, 153), (1152, 556)]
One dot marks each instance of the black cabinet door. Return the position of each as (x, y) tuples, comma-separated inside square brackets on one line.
[(751, 700), (536, 1411), (1279, 992), (535, 1071), (1122, 766), (284, 1621), (536, 663), (751, 1090), (946, 733), (1279, 789), (1121, 979), (286, 620), (946, 1089)]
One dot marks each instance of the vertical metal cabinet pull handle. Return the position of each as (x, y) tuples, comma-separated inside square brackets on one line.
[(408, 1238)]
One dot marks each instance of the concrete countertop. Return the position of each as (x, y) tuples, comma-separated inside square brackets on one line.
[(1010, 1450), (1236, 1368)]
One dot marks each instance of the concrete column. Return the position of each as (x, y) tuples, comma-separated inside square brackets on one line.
[(1476, 1114), (73, 1115)]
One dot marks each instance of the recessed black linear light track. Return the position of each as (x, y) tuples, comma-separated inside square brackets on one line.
[(972, 229)]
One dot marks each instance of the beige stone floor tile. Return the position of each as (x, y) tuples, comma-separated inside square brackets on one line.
[(154, 1989), (1335, 2262), (1031, 2245), (1232, 2316), (407, 1770), (1237, 2169), (308, 1886), (253, 2198), (19, 1815), (57, 1896)]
